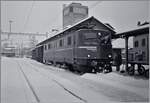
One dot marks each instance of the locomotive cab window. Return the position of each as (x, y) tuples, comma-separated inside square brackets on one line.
[(93, 38), (89, 38), (69, 40)]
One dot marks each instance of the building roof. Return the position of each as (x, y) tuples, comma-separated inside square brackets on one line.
[(75, 26)]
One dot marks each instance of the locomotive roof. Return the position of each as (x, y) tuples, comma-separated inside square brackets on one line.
[(74, 26)]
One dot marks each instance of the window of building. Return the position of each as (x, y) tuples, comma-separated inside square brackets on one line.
[(71, 9), (143, 42), (69, 40), (136, 44)]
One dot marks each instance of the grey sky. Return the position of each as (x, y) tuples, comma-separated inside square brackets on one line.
[(46, 15)]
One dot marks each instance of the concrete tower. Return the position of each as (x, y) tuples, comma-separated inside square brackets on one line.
[(73, 13)]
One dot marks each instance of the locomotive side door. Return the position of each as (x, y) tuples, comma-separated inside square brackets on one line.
[(74, 47)]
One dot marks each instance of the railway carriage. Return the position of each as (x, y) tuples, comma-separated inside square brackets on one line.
[(37, 53), (9, 51)]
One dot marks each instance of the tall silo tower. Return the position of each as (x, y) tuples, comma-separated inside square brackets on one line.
[(73, 13)]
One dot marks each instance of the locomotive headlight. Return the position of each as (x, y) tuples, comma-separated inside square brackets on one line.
[(89, 55), (109, 55), (99, 34)]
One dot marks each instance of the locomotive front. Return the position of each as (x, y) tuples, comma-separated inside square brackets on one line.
[(95, 50)]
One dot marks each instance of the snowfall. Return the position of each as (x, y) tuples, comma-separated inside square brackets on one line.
[(24, 80)]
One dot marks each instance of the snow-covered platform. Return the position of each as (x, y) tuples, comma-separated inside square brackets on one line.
[(27, 81)]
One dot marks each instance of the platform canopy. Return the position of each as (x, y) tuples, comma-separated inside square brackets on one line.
[(134, 32)]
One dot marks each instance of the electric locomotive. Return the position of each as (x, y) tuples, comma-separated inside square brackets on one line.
[(84, 50), (93, 51)]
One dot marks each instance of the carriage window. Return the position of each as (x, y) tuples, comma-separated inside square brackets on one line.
[(69, 40), (136, 44), (143, 42)]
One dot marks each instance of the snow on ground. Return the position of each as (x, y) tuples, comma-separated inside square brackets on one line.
[(83, 93), (14, 88), (55, 85), (127, 84), (138, 86), (30, 87), (135, 89)]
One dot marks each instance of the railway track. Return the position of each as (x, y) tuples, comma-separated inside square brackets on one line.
[(32, 66), (29, 84)]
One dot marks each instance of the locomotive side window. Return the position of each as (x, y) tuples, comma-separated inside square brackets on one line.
[(61, 42), (143, 42), (55, 44), (49, 46), (136, 44), (45, 47), (69, 40)]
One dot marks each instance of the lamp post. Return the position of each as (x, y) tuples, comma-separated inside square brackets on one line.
[(10, 22)]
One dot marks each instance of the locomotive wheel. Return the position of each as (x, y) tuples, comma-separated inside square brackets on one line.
[(94, 71), (131, 70), (147, 73), (108, 69), (100, 69), (141, 70)]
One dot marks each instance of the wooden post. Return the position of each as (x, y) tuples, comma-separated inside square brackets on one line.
[(126, 48)]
